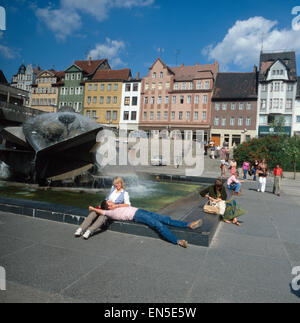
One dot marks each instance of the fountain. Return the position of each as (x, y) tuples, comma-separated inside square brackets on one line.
[(50, 145)]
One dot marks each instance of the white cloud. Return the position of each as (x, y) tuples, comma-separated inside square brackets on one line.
[(6, 52), (111, 49), (67, 18), (243, 42)]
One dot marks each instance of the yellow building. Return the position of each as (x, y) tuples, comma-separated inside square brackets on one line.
[(103, 96), (45, 91)]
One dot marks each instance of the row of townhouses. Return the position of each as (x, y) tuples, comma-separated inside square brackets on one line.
[(230, 107)]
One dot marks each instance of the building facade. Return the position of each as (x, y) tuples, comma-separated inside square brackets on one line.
[(71, 92), (24, 79), (103, 96), (234, 108), (130, 104), (276, 92), (45, 90), (296, 118), (177, 98)]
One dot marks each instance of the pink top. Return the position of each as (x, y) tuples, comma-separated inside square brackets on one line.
[(231, 180), (246, 166), (121, 213)]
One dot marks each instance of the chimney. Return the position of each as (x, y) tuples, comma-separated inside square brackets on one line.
[(90, 61), (138, 76)]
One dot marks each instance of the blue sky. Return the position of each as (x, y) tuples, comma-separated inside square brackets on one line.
[(130, 32)]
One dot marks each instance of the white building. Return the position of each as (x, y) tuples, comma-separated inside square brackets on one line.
[(296, 119), (24, 79), (130, 106), (276, 92)]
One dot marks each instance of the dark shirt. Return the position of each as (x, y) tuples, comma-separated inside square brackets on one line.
[(211, 191), (263, 171)]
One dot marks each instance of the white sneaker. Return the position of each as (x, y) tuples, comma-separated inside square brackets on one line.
[(87, 234), (258, 190), (78, 233)]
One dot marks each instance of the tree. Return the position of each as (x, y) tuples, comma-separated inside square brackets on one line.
[(292, 150)]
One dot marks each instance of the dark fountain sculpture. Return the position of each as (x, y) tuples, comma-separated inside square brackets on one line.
[(50, 145)]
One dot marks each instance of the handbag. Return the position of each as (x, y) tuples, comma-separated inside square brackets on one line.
[(211, 208)]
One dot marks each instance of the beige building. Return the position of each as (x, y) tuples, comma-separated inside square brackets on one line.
[(45, 91)]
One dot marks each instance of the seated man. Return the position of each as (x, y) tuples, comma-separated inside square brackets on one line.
[(234, 184), (153, 220)]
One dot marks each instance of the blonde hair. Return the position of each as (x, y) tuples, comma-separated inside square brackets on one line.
[(119, 180)]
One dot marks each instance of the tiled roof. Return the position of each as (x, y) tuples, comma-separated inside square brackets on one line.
[(89, 66), (122, 75), (287, 58), (189, 73), (235, 86), (3, 79)]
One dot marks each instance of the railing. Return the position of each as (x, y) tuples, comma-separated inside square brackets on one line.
[(18, 113)]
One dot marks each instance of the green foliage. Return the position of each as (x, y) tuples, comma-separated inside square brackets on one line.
[(275, 149)]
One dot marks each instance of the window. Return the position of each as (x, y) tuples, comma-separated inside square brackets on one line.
[(126, 115), (168, 85), (249, 106), (161, 75), (290, 87), (205, 99), (263, 104), (154, 75), (133, 115), (188, 115), (207, 83), (134, 100), (153, 86), (94, 114), (160, 86), (128, 87), (174, 99), (298, 119), (78, 76), (217, 107), (289, 104), (72, 76), (108, 100), (204, 116), (277, 87), (197, 99), (224, 107), (240, 121), (145, 116), (158, 116), (95, 87), (241, 106), (264, 88), (173, 115), (180, 115), (146, 86), (127, 101), (196, 116), (159, 100), (94, 99), (115, 100), (189, 99), (181, 99), (101, 99), (102, 87), (166, 115), (115, 115), (71, 91), (176, 86), (90, 87), (232, 121), (135, 87), (146, 100), (116, 87), (109, 87), (88, 113), (67, 77), (166, 100), (151, 115), (248, 121), (183, 86), (191, 86), (216, 123), (152, 100), (233, 106), (199, 85), (108, 115), (89, 100), (223, 121)]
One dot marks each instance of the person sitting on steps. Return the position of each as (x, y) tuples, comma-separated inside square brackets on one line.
[(234, 184)]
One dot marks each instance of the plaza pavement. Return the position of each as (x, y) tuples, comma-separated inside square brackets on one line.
[(253, 263)]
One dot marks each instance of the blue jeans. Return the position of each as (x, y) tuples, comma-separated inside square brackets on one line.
[(245, 174), (254, 172), (157, 222), (234, 187)]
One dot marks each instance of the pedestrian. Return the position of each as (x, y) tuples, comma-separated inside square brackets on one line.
[(218, 150), (232, 167), (223, 169), (153, 220), (254, 169), (278, 175), (212, 152), (223, 153), (227, 154), (246, 167), (262, 171), (235, 185)]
